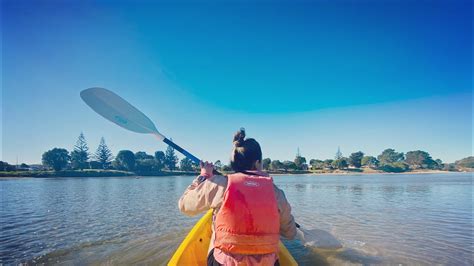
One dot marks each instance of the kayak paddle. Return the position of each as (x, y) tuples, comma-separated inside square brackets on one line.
[(117, 110)]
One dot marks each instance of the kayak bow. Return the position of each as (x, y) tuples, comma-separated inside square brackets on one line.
[(193, 250)]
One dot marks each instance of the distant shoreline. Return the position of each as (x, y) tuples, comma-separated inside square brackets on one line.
[(116, 173), (373, 173), (370, 172), (87, 173)]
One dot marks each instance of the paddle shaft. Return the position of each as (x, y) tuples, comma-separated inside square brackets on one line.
[(185, 153), (181, 150)]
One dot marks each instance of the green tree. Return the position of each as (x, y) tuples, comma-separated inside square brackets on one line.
[(145, 162), (316, 164), (276, 165), (160, 160), (141, 155), (289, 165), (340, 163), (338, 154), (218, 165), (103, 154), (419, 159), (77, 161), (299, 161), (449, 167), (355, 159), (396, 167), (389, 156), (4, 166), (328, 163), (125, 160), (170, 159), (97, 165), (80, 154), (370, 161), (226, 168), (266, 163), (146, 165), (186, 164), (196, 167), (56, 158)]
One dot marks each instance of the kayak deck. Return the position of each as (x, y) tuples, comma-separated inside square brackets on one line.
[(193, 249)]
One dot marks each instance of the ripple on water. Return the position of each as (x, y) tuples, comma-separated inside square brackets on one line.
[(379, 219)]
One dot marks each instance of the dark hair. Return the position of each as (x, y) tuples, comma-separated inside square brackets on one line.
[(245, 152)]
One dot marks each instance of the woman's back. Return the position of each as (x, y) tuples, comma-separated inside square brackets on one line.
[(250, 212)]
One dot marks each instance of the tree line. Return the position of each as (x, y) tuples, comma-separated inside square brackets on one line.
[(388, 161), (80, 158), (140, 162)]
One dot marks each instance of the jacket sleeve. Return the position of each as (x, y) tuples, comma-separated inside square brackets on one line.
[(287, 221), (202, 195)]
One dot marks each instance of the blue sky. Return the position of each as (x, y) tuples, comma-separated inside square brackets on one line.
[(365, 75)]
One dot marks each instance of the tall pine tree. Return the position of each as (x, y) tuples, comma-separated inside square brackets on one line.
[(80, 154), (170, 159), (103, 154), (338, 154)]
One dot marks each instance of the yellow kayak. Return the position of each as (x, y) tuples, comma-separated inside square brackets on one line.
[(193, 249)]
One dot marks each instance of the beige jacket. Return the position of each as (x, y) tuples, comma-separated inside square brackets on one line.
[(204, 194)]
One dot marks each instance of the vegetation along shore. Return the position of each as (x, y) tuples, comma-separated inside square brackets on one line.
[(59, 162)]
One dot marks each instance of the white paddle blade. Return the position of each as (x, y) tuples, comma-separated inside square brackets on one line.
[(115, 109), (318, 239)]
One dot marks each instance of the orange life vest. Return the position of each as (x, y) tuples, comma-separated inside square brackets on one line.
[(248, 221)]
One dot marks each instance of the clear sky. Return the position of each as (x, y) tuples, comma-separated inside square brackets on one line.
[(362, 75)]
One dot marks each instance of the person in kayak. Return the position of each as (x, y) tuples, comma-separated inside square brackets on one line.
[(250, 212)]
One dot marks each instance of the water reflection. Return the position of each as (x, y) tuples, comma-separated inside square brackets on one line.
[(341, 188), (418, 189), (300, 187)]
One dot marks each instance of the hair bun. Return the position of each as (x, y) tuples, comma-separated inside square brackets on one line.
[(239, 137)]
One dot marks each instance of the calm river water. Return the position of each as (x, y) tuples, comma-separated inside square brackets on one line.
[(378, 219)]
